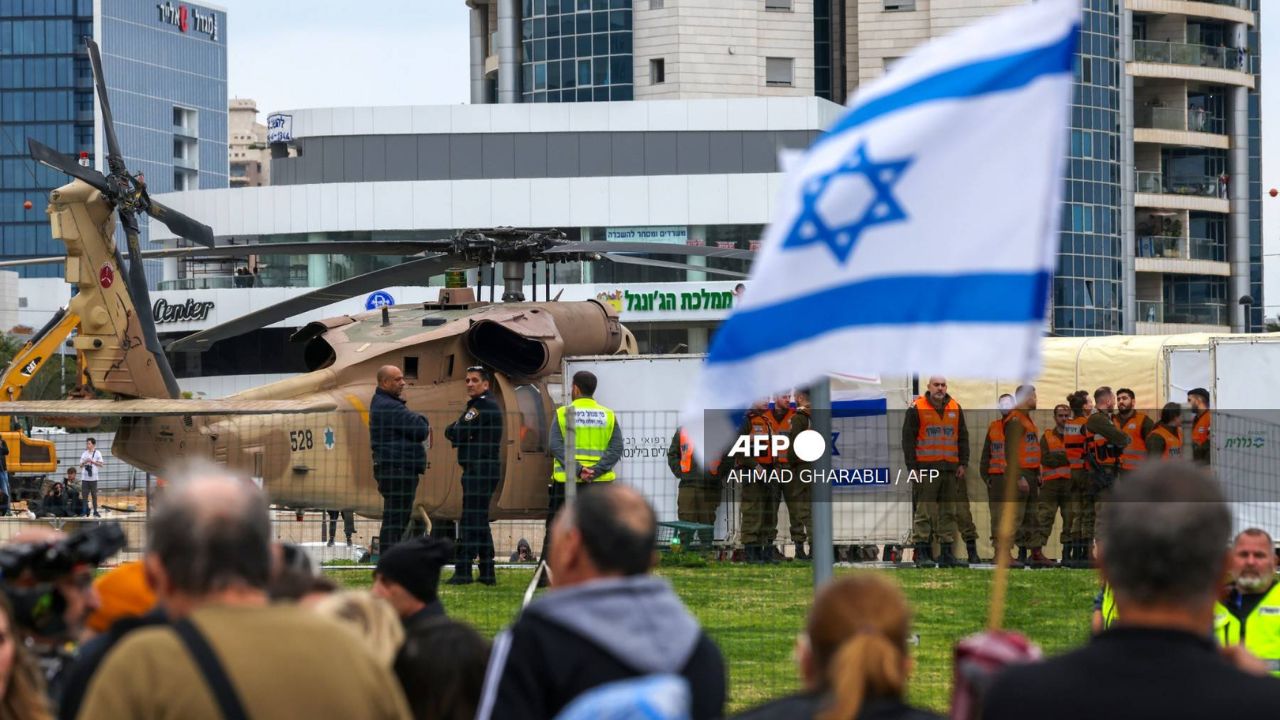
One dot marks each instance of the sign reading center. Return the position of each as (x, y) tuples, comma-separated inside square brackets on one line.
[(190, 311)]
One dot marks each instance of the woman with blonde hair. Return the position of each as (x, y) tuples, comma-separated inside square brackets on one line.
[(372, 620), (21, 684), (853, 656)]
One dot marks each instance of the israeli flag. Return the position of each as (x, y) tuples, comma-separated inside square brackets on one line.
[(919, 232)]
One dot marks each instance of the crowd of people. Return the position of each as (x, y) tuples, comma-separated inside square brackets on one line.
[(1065, 471), (219, 621)]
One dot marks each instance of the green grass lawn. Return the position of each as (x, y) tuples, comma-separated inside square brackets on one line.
[(755, 613)]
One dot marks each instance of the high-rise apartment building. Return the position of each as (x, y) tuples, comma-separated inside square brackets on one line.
[(247, 145), (1162, 223)]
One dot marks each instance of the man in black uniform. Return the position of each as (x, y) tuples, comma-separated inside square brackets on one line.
[(477, 436), (396, 435)]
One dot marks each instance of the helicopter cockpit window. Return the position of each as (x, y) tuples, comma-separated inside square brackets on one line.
[(533, 420)]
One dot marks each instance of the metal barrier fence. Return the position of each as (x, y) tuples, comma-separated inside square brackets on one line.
[(318, 470)]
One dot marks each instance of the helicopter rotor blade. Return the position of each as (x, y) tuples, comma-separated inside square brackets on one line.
[(628, 260), (180, 224), (607, 246), (115, 161), (47, 156), (411, 273), (402, 248)]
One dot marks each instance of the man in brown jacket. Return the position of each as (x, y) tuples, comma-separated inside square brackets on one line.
[(209, 559)]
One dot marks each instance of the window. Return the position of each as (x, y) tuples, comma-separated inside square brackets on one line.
[(656, 4), (899, 5), (657, 71), (778, 71), (783, 5)]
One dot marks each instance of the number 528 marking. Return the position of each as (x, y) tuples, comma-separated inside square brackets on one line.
[(300, 440)]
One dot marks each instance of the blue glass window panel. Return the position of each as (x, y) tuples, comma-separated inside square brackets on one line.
[(620, 69), (599, 21), (600, 94), (553, 7), (539, 7), (583, 23), (566, 25), (584, 73), (620, 43), (620, 20), (620, 92), (600, 44), (553, 76), (600, 74), (584, 94), (567, 74), (584, 46), (540, 76), (553, 49)]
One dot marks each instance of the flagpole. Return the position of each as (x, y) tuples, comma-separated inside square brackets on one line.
[(823, 526), (1004, 535)]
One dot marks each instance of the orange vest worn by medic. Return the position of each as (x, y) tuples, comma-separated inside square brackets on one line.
[(1172, 441), (1029, 452), (686, 456), (1200, 429), (995, 434), (938, 437), (1073, 436), (1136, 451), (1055, 443)]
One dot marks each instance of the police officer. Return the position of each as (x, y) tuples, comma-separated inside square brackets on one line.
[(597, 446), (1249, 614), (396, 437), (477, 436)]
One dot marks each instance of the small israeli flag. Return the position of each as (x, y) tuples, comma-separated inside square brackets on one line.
[(919, 232)]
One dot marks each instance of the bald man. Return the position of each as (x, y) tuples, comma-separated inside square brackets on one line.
[(209, 561), (606, 618), (935, 444), (396, 436)]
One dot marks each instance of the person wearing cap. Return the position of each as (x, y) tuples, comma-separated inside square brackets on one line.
[(477, 436), (126, 603), (408, 577)]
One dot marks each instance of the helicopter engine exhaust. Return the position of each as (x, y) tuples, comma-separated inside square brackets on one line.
[(535, 337)]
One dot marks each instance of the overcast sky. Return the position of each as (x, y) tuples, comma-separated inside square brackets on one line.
[(289, 54)]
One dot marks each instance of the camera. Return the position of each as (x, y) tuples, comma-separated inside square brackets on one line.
[(29, 573)]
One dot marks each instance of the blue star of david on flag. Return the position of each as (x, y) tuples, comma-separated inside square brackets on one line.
[(810, 227)]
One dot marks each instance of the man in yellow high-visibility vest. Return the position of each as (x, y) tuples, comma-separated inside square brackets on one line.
[(597, 445), (1249, 614)]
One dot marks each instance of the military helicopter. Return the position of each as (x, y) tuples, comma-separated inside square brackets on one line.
[(305, 439)]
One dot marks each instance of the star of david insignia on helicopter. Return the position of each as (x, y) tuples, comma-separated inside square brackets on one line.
[(329, 438), (827, 198)]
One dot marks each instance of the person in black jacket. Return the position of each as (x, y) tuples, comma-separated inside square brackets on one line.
[(396, 435), (477, 436), (1163, 549), (853, 656), (606, 619)]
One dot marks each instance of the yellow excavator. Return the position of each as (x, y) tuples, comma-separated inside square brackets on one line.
[(31, 459)]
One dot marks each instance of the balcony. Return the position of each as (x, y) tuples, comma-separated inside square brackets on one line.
[(1154, 181), (1219, 58), (1195, 119), (1180, 248), (1207, 314)]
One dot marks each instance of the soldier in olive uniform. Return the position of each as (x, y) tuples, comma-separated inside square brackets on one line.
[(477, 436), (798, 494), (698, 496)]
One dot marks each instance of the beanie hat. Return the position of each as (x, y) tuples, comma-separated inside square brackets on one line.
[(415, 565), (123, 592)]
